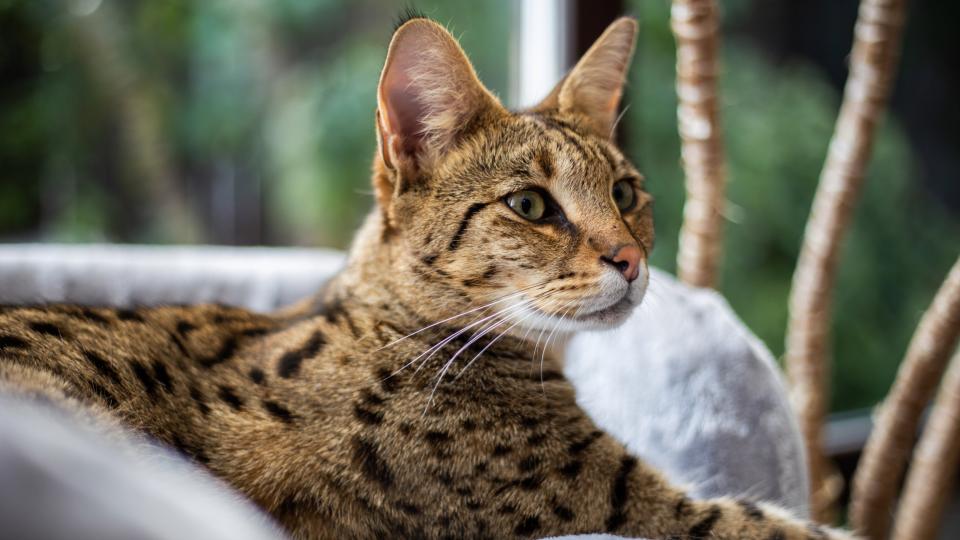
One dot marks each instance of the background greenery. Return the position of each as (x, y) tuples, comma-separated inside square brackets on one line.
[(251, 122)]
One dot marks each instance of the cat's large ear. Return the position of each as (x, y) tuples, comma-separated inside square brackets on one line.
[(429, 96), (593, 87)]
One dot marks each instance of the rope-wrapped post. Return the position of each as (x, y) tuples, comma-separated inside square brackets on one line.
[(696, 27), (872, 65), (888, 449), (934, 466)]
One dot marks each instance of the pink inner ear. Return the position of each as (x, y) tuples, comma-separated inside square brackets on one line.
[(405, 112)]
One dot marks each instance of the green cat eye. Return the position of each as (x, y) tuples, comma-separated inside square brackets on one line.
[(528, 204), (623, 194)]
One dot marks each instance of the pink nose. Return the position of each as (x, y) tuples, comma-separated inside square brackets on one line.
[(626, 260)]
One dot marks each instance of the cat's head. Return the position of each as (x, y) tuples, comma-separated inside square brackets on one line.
[(537, 211)]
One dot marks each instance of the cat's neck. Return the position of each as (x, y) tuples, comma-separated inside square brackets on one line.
[(380, 283)]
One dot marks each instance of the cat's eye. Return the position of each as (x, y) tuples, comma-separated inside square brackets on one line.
[(529, 204), (623, 194)]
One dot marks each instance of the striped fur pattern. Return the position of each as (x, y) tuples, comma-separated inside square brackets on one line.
[(418, 394)]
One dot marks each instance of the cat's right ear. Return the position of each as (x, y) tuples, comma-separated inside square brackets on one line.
[(429, 97)]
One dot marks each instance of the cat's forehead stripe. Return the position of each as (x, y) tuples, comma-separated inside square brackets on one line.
[(589, 149), (565, 130)]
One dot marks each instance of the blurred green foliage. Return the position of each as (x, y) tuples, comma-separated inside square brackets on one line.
[(251, 121)]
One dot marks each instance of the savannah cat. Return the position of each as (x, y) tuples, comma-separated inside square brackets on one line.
[(410, 398)]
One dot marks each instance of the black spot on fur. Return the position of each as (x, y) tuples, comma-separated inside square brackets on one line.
[(199, 400), (445, 478), (473, 505), (366, 456), (334, 311), (530, 483), (429, 259), (528, 526), (568, 132), (373, 418), (502, 449), (388, 382), (545, 162), (104, 394), (228, 396), (129, 315), (370, 398), (12, 342), (255, 331), (581, 445), (257, 375), (682, 508), (145, 377), (751, 510), (469, 425), (225, 353), (536, 439), (528, 463), (102, 366), (162, 376), (464, 222), (572, 470), (619, 492), (278, 411), (189, 450), (437, 437), (562, 512), (408, 508), (94, 317), (529, 422), (179, 343), (616, 520), (507, 509), (46, 328), (703, 527), (289, 364), (185, 327), (549, 375)]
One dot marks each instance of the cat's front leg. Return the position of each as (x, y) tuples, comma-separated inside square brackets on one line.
[(643, 504)]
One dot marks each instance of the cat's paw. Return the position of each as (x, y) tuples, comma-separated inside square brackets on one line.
[(793, 528)]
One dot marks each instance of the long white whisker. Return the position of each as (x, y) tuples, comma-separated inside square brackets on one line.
[(544, 329), (494, 340), (547, 344), (473, 339), (434, 349), (473, 310)]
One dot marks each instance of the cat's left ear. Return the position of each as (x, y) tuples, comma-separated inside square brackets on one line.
[(593, 87), (429, 96)]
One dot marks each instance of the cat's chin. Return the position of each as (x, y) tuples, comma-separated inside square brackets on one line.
[(608, 317), (602, 318)]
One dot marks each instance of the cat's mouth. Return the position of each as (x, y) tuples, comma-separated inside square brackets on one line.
[(617, 310)]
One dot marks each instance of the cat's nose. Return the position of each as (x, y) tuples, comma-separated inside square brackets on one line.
[(626, 260)]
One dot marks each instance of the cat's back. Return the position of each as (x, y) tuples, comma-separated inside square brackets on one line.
[(125, 360)]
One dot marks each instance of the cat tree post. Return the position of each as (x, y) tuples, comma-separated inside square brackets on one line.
[(872, 65), (696, 27), (888, 449), (934, 465)]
